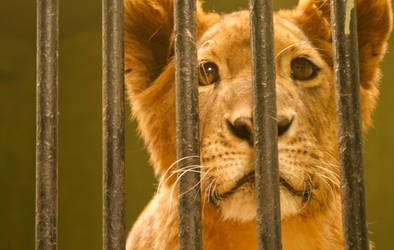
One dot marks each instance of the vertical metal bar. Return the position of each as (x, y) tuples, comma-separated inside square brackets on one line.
[(113, 126), (187, 128), (46, 122), (346, 67), (265, 126)]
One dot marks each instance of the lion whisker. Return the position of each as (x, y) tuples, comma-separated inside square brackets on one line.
[(163, 179), (202, 176)]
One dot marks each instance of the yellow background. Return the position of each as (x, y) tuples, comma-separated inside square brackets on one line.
[(80, 132)]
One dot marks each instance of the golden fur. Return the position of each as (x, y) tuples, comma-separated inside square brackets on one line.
[(307, 150)]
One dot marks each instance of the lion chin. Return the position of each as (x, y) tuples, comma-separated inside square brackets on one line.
[(241, 206), (306, 118)]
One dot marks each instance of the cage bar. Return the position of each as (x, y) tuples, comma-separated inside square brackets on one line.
[(46, 124), (265, 126), (346, 68), (187, 126), (113, 126)]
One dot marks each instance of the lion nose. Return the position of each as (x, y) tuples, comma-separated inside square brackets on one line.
[(242, 127), (284, 123)]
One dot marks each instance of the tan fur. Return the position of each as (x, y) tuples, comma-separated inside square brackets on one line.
[(307, 151)]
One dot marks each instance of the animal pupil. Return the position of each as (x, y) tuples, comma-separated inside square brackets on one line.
[(209, 73), (303, 69)]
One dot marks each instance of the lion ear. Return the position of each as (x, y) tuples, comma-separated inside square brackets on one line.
[(374, 19), (148, 39), (313, 17)]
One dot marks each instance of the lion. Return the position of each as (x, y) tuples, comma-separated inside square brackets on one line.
[(307, 130)]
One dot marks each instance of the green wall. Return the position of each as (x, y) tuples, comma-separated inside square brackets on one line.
[(80, 132)]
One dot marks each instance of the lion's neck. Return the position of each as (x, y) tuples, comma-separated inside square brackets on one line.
[(316, 232), (157, 229), (322, 231)]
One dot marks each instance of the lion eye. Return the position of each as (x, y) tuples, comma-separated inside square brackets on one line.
[(303, 69), (209, 73)]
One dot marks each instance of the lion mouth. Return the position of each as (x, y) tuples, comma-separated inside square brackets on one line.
[(305, 194)]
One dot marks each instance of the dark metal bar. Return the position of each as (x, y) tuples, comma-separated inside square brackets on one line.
[(46, 122), (346, 67), (187, 128), (113, 126), (265, 126)]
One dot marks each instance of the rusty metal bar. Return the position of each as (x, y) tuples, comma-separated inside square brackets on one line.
[(113, 126), (265, 126), (46, 124), (187, 128), (346, 68)]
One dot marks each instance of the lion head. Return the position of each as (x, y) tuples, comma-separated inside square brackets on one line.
[(305, 92)]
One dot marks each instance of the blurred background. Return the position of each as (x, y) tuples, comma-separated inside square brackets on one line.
[(80, 132)]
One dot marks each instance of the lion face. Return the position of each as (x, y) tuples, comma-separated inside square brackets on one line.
[(306, 116), (307, 137)]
